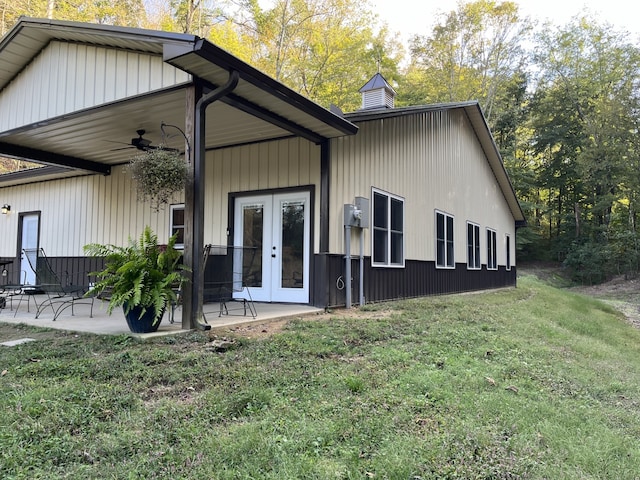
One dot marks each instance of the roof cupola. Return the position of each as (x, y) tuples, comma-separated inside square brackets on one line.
[(377, 93)]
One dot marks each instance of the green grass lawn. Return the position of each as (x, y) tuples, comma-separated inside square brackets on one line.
[(533, 382)]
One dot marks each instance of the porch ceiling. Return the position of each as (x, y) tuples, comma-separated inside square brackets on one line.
[(103, 135), (96, 138)]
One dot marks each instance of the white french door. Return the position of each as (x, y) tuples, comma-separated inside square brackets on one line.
[(30, 224), (274, 233)]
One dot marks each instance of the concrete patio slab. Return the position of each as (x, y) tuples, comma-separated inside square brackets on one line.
[(102, 323), (20, 341)]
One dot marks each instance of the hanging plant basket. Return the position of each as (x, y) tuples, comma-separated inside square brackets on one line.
[(159, 174)]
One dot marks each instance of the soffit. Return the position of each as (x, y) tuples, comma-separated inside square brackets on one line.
[(260, 108)]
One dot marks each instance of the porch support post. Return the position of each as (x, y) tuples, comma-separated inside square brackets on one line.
[(325, 190), (321, 274), (193, 94), (196, 240)]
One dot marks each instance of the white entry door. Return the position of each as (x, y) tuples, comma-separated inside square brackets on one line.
[(274, 233), (28, 240)]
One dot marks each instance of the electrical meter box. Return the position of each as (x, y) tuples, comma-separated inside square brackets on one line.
[(350, 216), (362, 204)]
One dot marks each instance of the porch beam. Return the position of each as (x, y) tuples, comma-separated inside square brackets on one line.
[(268, 116), (54, 159)]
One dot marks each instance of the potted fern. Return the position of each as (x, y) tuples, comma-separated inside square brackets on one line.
[(142, 278), (159, 174)]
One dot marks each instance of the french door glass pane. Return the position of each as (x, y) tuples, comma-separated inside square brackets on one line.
[(292, 272), (252, 240)]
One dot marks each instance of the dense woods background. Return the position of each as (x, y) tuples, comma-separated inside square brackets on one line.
[(563, 102)]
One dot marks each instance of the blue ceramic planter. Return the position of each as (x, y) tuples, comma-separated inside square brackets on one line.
[(142, 324)]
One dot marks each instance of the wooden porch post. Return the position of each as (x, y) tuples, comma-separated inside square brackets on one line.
[(190, 316)]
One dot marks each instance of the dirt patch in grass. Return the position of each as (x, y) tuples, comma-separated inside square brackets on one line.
[(267, 329), (251, 330)]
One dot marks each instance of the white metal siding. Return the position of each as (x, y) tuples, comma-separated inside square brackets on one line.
[(434, 161), (86, 76), (264, 166), (81, 210)]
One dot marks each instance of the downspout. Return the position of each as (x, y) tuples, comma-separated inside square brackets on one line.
[(197, 296)]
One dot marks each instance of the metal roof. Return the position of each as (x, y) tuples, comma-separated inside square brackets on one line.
[(377, 81), (259, 109)]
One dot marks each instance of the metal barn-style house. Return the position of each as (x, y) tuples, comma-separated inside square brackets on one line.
[(302, 204)]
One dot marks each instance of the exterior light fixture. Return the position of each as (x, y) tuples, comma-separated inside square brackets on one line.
[(6, 209)]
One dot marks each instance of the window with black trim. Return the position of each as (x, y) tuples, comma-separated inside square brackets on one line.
[(176, 223), (508, 247), (388, 230), (492, 261), (444, 240), (473, 246)]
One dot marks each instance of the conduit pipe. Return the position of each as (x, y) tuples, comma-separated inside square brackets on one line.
[(361, 282), (347, 266)]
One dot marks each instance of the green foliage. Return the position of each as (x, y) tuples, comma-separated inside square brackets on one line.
[(325, 50), (588, 262), (159, 174), (142, 274), (584, 116), (474, 53), (129, 13)]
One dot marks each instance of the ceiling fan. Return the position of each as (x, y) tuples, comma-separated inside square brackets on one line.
[(141, 143)]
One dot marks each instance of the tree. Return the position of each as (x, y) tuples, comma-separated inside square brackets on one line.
[(324, 49), (129, 13), (585, 115), (195, 16), (472, 54)]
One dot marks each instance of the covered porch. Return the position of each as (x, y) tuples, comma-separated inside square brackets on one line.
[(74, 97)]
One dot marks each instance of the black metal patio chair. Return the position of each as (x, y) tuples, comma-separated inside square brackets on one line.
[(10, 291), (59, 295), (230, 289)]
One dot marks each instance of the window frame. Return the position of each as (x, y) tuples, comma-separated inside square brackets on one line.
[(390, 232), (474, 263), (492, 249), (172, 226), (449, 263)]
